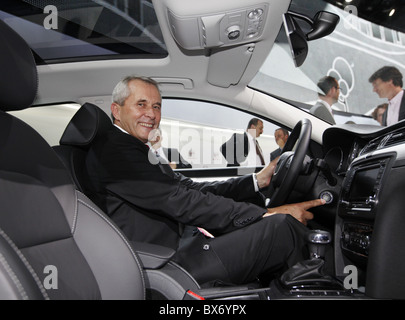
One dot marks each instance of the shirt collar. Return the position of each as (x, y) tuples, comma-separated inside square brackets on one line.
[(121, 129), (397, 98), (325, 104), (251, 137), (147, 143)]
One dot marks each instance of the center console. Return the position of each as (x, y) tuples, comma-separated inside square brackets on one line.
[(368, 233), (369, 237), (358, 207)]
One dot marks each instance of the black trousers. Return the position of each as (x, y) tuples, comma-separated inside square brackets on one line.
[(270, 245)]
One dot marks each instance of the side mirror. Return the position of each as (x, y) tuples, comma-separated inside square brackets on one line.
[(322, 25)]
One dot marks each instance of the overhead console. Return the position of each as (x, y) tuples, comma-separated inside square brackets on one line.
[(236, 26), (229, 32)]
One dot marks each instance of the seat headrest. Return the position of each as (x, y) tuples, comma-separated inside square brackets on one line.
[(20, 79), (87, 123)]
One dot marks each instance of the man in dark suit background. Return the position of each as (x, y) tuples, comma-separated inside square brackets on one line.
[(150, 201), (173, 156), (243, 149), (169, 156), (281, 136), (387, 83), (327, 96)]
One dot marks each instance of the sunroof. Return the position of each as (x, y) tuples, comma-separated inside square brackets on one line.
[(83, 29)]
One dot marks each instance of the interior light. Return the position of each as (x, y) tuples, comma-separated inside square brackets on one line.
[(392, 12), (348, 1)]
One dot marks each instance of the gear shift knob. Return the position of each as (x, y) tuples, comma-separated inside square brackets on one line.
[(317, 242)]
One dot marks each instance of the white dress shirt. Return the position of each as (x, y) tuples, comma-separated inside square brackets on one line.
[(253, 159)]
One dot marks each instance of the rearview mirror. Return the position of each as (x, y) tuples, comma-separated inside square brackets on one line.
[(296, 40), (322, 25)]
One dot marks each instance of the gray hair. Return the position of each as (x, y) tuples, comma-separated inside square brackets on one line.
[(121, 91)]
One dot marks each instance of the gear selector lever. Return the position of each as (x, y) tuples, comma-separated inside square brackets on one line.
[(310, 275), (317, 242)]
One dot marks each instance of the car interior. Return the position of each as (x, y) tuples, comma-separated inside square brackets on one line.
[(207, 51)]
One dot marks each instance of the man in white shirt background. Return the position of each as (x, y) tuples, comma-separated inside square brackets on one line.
[(328, 95), (255, 156), (387, 83)]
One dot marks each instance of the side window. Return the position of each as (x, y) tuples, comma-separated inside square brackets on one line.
[(197, 130), (49, 121)]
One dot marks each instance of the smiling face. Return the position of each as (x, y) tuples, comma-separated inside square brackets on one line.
[(141, 112)]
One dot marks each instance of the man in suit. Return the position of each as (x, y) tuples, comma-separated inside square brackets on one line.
[(387, 83), (150, 202), (243, 149), (281, 136), (328, 95), (169, 156)]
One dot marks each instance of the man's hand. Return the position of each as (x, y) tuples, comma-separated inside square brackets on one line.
[(297, 210), (264, 176)]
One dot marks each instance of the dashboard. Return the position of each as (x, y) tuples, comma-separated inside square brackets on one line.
[(370, 209)]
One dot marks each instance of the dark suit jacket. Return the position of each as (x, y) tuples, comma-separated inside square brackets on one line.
[(174, 155), (319, 110), (149, 201), (236, 149), (401, 115)]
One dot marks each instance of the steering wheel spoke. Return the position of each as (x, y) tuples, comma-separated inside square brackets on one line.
[(290, 163)]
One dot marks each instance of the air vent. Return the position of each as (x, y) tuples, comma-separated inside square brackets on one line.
[(395, 138), (391, 139), (371, 146)]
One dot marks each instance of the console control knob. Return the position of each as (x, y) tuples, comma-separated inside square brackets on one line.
[(233, 32), (256, 13), (346, 237)]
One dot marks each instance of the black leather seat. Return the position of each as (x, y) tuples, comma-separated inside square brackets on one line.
[(49, 230), (87, 123), (164, 277)]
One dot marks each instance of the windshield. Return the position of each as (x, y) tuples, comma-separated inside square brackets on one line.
[(351, 54)]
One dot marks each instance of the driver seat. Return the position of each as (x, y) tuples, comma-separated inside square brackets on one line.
[(54, 242), (86, 124), (164, 278)]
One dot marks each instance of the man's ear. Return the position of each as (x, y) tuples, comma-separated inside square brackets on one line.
[(115, 111), (330, 92)]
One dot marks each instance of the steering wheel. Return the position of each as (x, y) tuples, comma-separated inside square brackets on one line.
[(290, 163)]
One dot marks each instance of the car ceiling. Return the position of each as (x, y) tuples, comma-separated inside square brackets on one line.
[(183, 72), (218, 73)]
